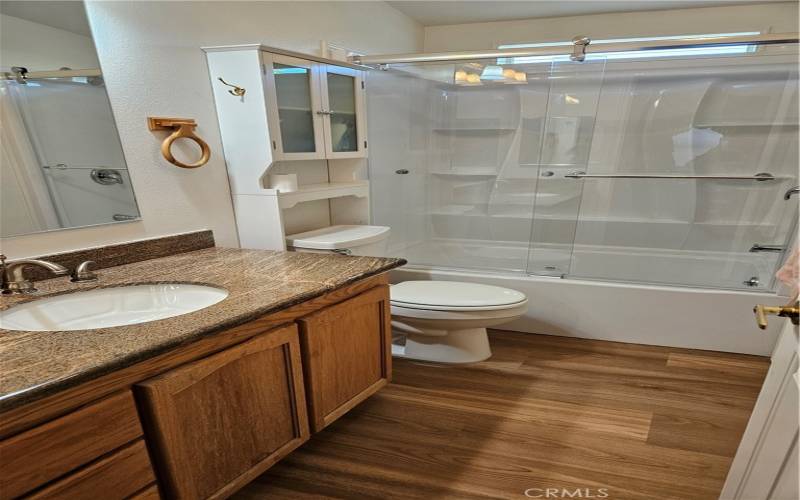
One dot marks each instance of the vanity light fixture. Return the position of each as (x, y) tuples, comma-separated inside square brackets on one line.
[(516, 78), (473, 79)]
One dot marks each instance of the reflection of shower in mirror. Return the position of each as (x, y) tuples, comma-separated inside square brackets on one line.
[(61, 163)]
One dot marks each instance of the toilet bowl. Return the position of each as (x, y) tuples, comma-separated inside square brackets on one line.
[(437, 321), (446, 321)]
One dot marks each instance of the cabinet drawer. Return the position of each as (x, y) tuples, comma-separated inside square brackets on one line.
[(116, 476), (39, 455), (149, 493), (217, 423), (346, 354)]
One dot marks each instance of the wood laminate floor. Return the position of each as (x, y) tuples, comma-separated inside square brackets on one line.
[(544, 412)]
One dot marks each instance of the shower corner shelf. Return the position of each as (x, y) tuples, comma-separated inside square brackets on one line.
[(322, 191), (732, 124)]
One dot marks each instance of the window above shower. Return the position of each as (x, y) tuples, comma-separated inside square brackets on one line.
[(62, 163), (636, 54)]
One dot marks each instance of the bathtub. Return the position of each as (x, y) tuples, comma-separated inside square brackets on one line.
[(643, 313)]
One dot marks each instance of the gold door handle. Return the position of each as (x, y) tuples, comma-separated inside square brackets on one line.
[(791, 311)]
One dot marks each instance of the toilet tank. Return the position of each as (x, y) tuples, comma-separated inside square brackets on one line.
[(372, 241)]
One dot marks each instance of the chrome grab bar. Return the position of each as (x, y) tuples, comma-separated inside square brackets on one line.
[(793, 191), (761, 176)]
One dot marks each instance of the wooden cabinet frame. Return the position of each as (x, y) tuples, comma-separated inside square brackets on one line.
[(112, 390)]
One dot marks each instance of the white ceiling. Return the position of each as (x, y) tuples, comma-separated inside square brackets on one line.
[(66, 15), (434, 13)]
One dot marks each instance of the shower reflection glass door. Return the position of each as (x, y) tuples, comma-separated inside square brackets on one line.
[(713, 118)]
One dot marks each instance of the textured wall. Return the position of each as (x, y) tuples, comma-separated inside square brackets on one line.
[(150, 55)]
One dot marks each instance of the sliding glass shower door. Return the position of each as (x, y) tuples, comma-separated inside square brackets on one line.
[(568, 116), (686, 179), (664, 170)]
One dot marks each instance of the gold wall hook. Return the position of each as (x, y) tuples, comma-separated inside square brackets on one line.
[(237, 91), (791, 311), (181, 128)]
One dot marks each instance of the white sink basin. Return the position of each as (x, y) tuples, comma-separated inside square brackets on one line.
[(107, 307)]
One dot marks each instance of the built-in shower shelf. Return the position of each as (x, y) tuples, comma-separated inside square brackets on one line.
[(480, 210), (454, 130), (465, 173), (743, 124), (323, 191)]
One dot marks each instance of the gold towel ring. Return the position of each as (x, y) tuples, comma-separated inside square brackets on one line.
[(182, 128)]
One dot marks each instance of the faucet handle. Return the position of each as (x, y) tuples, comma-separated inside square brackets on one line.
[(82, 272)]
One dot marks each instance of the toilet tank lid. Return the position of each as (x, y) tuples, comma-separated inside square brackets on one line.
[(453, 294), (333, 237)]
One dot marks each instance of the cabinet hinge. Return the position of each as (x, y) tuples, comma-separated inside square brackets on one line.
[(274, 145), (365, 144), (362, 85)]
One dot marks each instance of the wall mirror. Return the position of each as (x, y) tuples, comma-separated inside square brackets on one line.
[(61, 163)]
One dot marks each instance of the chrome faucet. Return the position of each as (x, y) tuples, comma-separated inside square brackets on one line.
[(12, 274), (82, 272)]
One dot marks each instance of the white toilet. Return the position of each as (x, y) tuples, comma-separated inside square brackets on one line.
[(439, 321)]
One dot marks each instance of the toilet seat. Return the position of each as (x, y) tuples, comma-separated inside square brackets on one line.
[(459, 317), (454, 296)]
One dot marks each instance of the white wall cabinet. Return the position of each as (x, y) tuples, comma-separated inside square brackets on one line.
[(315, 110), (298, 114)]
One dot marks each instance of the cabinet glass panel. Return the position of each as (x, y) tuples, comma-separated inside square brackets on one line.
[(293, 86), (342, 99)]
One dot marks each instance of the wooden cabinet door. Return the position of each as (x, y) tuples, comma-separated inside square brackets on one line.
[(215, 424), (347, 354)]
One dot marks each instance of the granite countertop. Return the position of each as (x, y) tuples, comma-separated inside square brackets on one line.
[(35, 364)]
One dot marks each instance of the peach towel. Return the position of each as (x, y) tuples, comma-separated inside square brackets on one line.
[(789, 274)]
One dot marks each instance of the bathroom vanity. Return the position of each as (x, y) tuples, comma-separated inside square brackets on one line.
[(198, 405)]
